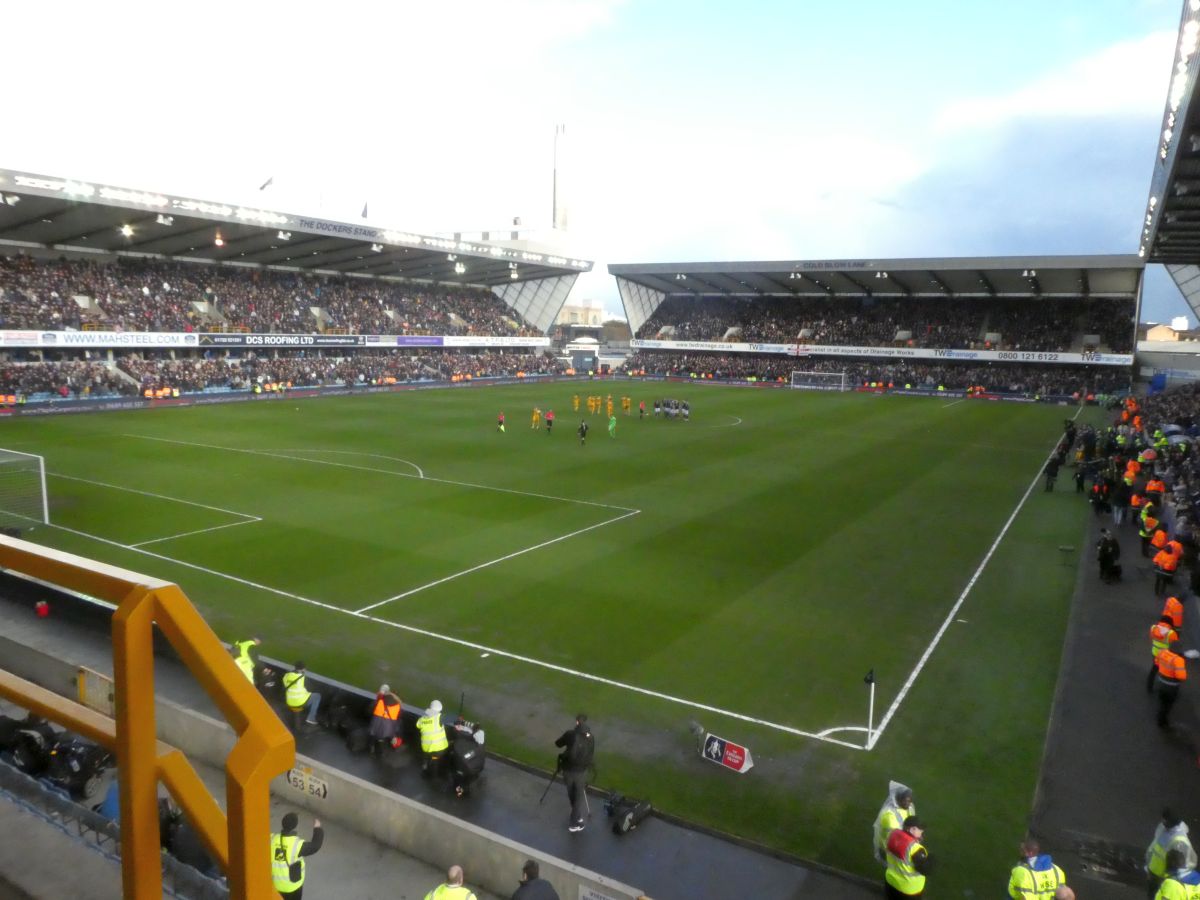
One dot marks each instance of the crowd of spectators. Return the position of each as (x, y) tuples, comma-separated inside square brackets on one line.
[(1045, 325), (72, 379), (1013, 378), (148, 295), (303, 370)]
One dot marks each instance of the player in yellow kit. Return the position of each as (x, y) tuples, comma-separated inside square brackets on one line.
[(575, 402), (536, 419), (610, 406)]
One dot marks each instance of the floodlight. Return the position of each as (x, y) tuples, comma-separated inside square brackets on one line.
[(126, 230), (284, 235), (377, 248), (460, 268), (164, 220), (219, 241), (1153, 202), (512, 274), (12, 199), (451, 257)]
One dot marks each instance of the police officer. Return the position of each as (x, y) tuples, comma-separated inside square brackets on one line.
[(1170, 834), (453, 888), (1035, 877), (907, 861), (1181, 882), (433, 738), (287, 856), (245, 654), (896, 808)]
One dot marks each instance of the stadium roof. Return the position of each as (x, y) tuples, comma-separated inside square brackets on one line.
[(644, 286), (1171, 225), (39, 211)]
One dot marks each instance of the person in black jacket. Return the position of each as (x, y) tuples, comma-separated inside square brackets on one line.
[(579, 746), (1108, 553), (532, 887)]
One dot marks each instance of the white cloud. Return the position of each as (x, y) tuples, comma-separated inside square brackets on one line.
[(1119, 80)]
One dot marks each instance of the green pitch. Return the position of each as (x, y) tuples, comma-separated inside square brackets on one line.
[(743, 570)]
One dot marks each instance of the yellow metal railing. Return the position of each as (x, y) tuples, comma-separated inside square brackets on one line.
[(264, 747)]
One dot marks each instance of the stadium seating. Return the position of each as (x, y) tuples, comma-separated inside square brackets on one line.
[(144, 295), (1055, 325), (995, 378)]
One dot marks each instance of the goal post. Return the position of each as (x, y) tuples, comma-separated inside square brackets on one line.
[(820, 381), (23, 499)]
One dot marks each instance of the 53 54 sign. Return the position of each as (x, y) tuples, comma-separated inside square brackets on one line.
[(306, 782)]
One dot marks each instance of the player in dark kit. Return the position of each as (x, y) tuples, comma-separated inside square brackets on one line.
[(549, 421), (583, 430)]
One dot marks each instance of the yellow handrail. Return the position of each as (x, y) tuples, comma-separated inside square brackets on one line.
[(264, 747)]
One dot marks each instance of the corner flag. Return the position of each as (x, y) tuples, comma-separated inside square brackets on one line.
[(869, 678)]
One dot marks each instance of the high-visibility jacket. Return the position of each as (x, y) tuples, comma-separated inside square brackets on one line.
[(1147, 508), (1172, 669), (1175, 547), (386, 710), (285, 852), (1135, 500), (1155, 486), (433, 733), (1036, 880), (1164, 560), (1156, 855), (297, 691), (450, 892), (901, 873), (1159, 540), (243, 659), (1182, 885), (1149, 523), (1162, 636), (1174, 609), (889, 819)]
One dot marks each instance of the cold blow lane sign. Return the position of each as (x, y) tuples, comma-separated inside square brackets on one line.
[(727, 753)]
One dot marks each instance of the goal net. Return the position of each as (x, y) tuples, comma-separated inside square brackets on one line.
[(820, 381), (23, 500)]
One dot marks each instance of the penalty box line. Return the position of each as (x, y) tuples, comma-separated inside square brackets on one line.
[(472, 645), (280, 454), (246, 518), (937, 638)]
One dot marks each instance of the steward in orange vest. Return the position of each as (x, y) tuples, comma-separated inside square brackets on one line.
[(1162, 636), (1173, 609), (385, 718), (1172, 673), (1165, 563)]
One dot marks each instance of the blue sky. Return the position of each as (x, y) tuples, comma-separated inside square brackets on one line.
[(700, 130)]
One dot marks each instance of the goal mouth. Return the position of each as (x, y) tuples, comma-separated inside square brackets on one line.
[(820, 381), (24, 502)]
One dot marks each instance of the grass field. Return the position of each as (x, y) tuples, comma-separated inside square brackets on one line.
[(744, 569)]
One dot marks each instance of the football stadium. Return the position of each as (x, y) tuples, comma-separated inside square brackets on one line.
[(307, 516)]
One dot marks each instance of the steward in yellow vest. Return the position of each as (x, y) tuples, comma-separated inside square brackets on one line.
[(907, 860), (433, 737), (287, 856)]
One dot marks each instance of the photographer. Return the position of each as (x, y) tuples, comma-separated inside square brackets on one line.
[(467, 756), (579, 748)]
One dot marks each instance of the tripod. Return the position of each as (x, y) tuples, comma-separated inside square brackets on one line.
[(550, 783)]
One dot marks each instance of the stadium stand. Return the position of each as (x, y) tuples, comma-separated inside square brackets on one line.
[(133, 374), (131, 294), (877, 322), (1001, 378)]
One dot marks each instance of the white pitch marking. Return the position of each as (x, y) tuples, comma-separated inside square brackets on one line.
[(493, 562), (955, 403), (879, 729), (322, 462), (420, 473), (172, 537), (736, 421), (117, 487), (554, 667)]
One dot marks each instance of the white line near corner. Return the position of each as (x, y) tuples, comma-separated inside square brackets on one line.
[(471, 645), (887, 717), (499, 559)]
